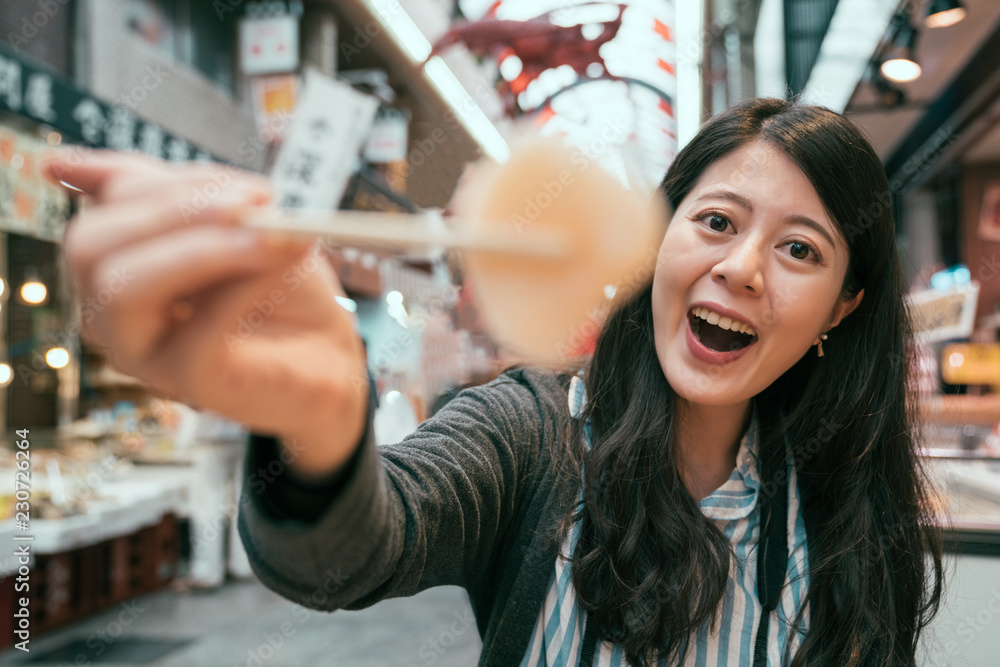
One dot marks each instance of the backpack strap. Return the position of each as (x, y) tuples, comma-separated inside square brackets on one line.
[(589, 644), (772, 552)]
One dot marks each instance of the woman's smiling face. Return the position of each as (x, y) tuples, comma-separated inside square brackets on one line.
[(751, 244)]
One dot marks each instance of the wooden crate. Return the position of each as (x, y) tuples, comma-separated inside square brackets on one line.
[(66, 587), (54, 601), (7, 608), (144, 561)]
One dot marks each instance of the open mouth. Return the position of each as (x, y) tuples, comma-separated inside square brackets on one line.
[(720, 333)]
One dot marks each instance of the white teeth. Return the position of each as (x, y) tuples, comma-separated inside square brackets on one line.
[(722, 321)]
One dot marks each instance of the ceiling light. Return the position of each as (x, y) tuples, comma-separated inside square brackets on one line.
[(467, 110), (391, 13), (901, 70), (943, 13), (900, 64)]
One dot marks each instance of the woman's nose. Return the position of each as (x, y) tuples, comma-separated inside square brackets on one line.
[(741, 268)]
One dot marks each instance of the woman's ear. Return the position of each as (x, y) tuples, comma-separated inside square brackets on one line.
[(845, 308)]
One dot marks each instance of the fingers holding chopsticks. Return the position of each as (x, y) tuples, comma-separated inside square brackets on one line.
[(117, 224), (185, 266), (172, 231)]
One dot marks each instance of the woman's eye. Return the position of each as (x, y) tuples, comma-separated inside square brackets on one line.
[(800, 250), (717, 223)]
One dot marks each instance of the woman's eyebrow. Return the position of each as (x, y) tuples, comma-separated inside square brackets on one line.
[(744, 202), (734, 197)]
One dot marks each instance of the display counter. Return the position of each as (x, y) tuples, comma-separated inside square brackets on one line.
[(115, 489), (964, 465), (104, 522), (969, 490), (961, 409), (140, 499)]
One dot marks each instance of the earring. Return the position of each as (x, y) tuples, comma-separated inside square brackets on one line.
[(819, 345)]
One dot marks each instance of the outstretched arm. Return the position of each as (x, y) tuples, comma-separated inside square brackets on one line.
[(431, 510)]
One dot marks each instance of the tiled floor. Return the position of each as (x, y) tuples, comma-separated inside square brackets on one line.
[(247, 625)]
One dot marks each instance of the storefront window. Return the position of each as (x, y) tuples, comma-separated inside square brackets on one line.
[(191, 32)]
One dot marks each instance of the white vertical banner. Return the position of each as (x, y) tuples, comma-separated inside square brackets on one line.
[(331, 123)]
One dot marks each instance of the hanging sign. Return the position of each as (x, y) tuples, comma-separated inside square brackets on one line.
[(269, 44), (274, 100), (387, 140), (43, 97), (944, 314), (321, 149)]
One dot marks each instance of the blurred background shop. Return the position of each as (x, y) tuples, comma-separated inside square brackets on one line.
[(134, 558)]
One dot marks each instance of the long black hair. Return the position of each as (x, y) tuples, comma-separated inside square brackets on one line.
[(649, 566)]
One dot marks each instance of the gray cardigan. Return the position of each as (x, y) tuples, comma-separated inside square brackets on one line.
[(470, 498)]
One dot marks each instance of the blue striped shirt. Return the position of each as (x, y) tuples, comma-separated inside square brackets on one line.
[(558, 635)]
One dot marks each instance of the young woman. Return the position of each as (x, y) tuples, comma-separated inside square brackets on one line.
[(734, 481)]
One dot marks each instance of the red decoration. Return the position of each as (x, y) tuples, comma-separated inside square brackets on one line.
[(539, 43)]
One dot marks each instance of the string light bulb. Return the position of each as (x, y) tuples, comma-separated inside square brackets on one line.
[(33, 291), (57, 357)]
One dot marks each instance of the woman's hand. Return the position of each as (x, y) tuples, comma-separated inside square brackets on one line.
[(209, 312)]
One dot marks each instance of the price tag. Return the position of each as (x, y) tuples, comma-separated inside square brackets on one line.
[(943, 314)]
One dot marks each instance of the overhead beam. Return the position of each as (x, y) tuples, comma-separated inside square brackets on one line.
[(959, 117)]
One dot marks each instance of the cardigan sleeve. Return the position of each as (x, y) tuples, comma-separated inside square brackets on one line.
[(431, 510)]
